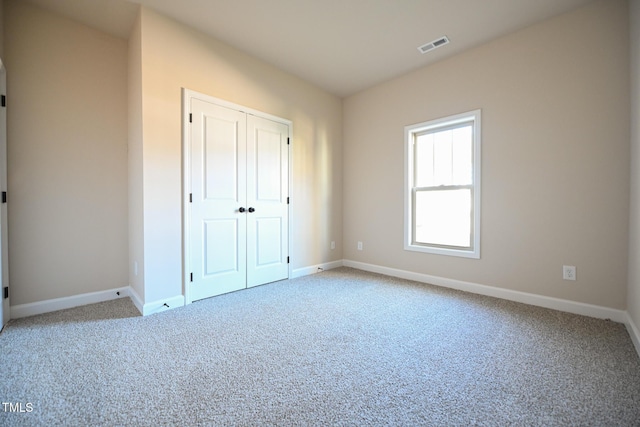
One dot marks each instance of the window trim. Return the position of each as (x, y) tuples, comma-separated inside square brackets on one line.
[(410, 133)]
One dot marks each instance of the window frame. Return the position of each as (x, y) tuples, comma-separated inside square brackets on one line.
[(411, 132)]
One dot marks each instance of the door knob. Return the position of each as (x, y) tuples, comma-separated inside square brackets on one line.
[(251, 210), (241, 210)]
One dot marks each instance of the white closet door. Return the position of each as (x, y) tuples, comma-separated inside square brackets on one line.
[(239, 223), (267, 191), (218, 175)]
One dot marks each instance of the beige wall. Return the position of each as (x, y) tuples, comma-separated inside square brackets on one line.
[(555, 129), (175, 56), (135, 164), (67, 155), (633, 297), (1, 28)]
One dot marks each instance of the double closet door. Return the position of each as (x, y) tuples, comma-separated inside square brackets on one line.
[(238, 201)]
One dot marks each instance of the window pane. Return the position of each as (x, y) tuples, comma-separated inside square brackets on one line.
[(443, 217), (424, 160), (462, 155), (444, 157)]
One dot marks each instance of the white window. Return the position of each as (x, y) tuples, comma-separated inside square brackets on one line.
[(442, 186)]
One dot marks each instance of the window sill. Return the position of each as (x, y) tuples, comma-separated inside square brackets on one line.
[(475, 254)]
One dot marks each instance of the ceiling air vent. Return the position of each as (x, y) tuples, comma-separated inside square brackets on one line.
[(433, 44)]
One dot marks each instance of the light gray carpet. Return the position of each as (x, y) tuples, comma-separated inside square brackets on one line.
[(341, 347)]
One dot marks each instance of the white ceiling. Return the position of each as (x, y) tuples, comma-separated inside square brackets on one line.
[(342, 46)]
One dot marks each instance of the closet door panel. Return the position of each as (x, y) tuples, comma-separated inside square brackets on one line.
[(267, 192), (218, 181)]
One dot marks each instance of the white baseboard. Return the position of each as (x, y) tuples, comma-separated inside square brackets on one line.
[(162, 305), (136, 300), (156, 306), (47, 306), (145, 309), (634, 333), (568, 306), (305, 271), (511, 295)]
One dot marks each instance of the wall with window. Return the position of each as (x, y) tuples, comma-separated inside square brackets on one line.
[(555, 158)]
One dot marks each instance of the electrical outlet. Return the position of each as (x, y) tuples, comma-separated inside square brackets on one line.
[(569, 272), (333, 245), (359, 246)]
